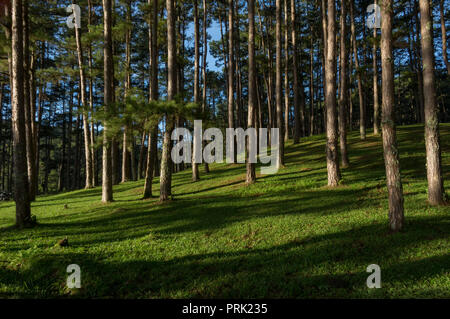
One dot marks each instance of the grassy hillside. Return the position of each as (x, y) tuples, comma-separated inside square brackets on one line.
[(286, 236)]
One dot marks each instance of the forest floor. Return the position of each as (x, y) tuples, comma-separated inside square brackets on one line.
[(288, 235)]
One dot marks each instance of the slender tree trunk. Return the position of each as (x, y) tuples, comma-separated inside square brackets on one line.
[(195, 172), (295, 73), (84, 106), (279, 89), (205, 54), (311, 86), (286, 72), (391, 156), (153, 132), (251, 176), (26, 99), (91, 101), (330, 77), (343, 91), (21, 194), (444, 37), (166, 163), (231, 68), (126, 154), (362, 106), (107, 192), (432, 140), (376, 104)]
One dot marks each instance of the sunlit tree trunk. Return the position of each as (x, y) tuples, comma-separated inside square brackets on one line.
[(107, 192), (330, 78), (391, 156), (84, 106)]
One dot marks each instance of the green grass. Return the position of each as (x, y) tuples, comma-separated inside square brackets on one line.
[(286, 236)]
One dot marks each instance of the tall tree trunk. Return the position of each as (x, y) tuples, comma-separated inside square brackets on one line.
[(91, 100), (195, 172), (107, 192), (286, 72), (84, 106), (376, 104), (295, 73), (444, 37), (432, 140), (343, 91), (27, 105), (330, 78), (362, 106), (126, 154), (391, 156), (153, 132), (231, 68), (311, 86), (166, 163), (279, 89), (21, 194), (251, 176), (205, 53)]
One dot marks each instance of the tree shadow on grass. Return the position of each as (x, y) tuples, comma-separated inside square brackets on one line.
[(327, 265)]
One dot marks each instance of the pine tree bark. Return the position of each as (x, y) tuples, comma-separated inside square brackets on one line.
[(330, 78), (107, 192), (343, 90), (391, 156), (251, 176), (432, 139), (21, 187)]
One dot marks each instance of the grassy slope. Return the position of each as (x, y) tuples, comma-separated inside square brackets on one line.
[(286, 236)]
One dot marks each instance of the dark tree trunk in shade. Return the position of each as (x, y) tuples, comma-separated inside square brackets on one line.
[(295, 73), (152, 155), (21, 194), (166, 162), (343, 91), (279, 89), (362, 106), (252, 98), (432, 139)]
